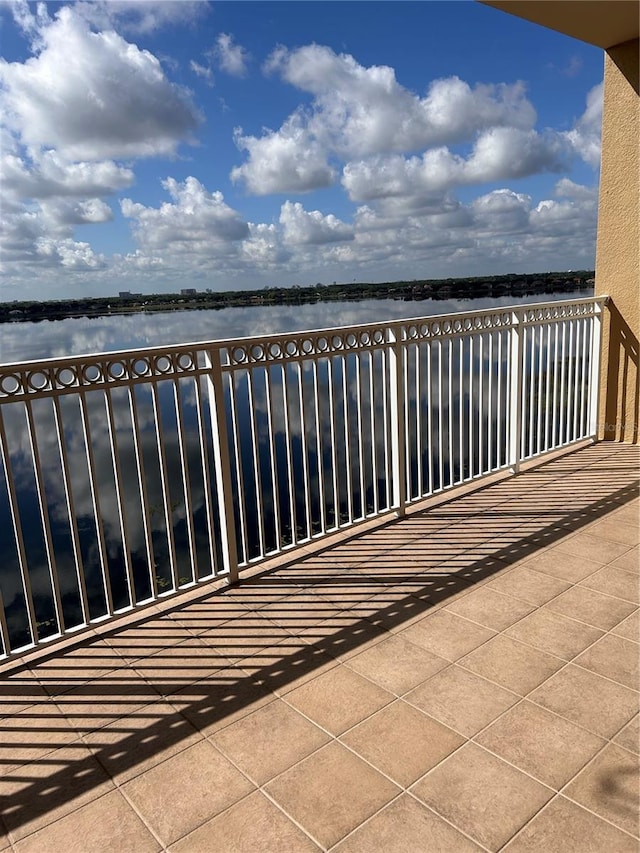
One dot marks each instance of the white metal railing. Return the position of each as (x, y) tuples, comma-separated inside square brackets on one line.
[(129, 476)]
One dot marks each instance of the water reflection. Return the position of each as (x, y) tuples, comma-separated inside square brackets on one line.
[(57, 338)]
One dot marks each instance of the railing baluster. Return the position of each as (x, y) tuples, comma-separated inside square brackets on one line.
[(144, 494), (515, 391), (14, 510), (291, 486), (95, 503), (372, 427), (429, 416), (499, 432), (461, 410), (319, 457), (222, 462), (44, 517), (396, 352), (164, 480), (206, 481), (594, 378), (272, 458), (304, 450), (334, 443), (186, 480), (255, 457), (71, 511)]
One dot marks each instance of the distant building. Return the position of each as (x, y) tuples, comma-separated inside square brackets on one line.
[(127, 294), (188, 291)]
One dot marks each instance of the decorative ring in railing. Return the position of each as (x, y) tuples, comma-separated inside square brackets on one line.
[(559, 311), (306, 345), (17, 381)]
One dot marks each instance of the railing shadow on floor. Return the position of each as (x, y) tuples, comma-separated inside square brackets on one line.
[(271, 634)]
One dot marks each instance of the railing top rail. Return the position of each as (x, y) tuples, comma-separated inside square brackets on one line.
[(228, 343)]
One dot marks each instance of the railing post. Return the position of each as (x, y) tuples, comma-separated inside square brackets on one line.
[(398, 425), (515, 391), (595, 362), (224, 486)]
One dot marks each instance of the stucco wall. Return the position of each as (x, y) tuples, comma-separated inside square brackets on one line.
[(617, 267)]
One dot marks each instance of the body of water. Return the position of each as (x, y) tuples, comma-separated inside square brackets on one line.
[(75, 336)]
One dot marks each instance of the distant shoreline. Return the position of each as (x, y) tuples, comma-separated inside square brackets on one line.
[(410, 291)]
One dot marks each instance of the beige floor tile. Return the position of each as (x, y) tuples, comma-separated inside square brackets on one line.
[(299, 612), (629, 628), (171, 669), (339, 699), (216, 702), (45, 791), (592, 548), (447, 635), (530, 586), (563, 825), (629, 736), (331, 792), (511, 664), (482, 795), (269, 741), (99, 703), (406, 826), (32, 734), (284, 667), (490, 608), (19, 692), (572, 566), (146, 638), (609, 787), (86, 830), (132, 745), (629, 514), (344, 635), (396, 664), (461, 699), (629, 561), (593, 608), (245, 636), (402, 742), (609, 705), (614, 657), (77, 666), (554, 633), (254, 824), (616, 531), (547, 747), (618, 582), (198, 783)]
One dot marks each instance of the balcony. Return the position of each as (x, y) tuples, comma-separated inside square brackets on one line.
[(287, 593), (462, 678)]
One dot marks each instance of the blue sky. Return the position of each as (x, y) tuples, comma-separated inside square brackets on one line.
[(154, 146)]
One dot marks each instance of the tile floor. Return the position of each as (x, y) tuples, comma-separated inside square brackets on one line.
[(463, 679)]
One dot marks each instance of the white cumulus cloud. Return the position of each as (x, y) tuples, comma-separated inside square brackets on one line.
[(359, 111), (287, 160), (302, 226), (197, 221), (231, 57), (93, 96)]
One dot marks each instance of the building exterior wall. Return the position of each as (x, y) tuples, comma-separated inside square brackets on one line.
[(617, 264)]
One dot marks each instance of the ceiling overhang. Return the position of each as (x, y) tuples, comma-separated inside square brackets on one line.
[(603, 23)]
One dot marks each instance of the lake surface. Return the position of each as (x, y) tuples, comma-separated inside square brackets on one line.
[(74, 336)]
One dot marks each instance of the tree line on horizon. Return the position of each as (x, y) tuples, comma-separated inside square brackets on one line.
[(511, 284)]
